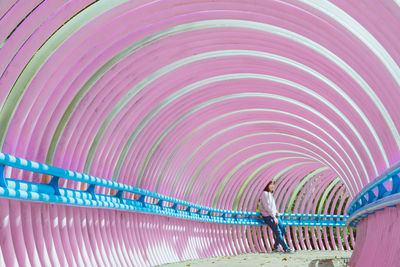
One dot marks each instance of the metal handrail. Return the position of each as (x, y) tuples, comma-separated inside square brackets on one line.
[(383, 192), (148, 201)]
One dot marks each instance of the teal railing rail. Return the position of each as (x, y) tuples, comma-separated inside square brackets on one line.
[(140, 200)]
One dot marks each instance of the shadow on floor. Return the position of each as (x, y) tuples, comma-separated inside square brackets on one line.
[(327, 262), (321, 263)]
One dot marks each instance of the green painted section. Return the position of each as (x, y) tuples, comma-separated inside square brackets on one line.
[(241, 191), (240, 24), (196, 85), (42, 55), (97, 9), (244, 162), (181, 28), (294, 193), (159, 73), (162, 136), (203, 164), (324, 196), (208, 139)]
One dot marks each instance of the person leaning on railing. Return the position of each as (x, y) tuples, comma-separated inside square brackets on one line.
[(271, 217)]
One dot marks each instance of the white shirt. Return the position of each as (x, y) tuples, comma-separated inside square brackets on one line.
[(267, 204)]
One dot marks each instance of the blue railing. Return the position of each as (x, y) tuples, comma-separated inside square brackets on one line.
[(383, 192), (145, 201)]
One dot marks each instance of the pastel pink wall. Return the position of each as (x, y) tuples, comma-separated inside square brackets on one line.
[(377, 242), (200, 100)]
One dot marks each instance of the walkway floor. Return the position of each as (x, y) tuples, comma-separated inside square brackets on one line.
[(300, 258)]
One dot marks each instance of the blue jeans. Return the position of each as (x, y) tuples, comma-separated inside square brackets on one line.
[(278, 230)]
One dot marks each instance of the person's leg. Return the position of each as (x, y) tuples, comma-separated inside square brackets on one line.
[(270, 222), (283, 229), (283, 232), (277, 232)]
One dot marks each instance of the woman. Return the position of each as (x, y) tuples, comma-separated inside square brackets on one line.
[(271, 217)]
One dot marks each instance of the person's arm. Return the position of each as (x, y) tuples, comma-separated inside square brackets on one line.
[(274, 211)]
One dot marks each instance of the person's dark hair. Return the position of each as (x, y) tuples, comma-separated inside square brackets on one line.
[(266, 187)]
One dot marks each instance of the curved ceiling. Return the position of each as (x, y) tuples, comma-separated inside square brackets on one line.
[(204, 100)]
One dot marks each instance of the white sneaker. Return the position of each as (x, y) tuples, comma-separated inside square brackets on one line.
[(290, 251)]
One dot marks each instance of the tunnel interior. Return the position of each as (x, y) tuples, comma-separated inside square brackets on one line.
[(204, 101)]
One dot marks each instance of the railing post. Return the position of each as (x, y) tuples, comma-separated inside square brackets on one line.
[(119, 195), (363, 201), (175, 207), (395, 184), (371, 196), (141, 199), (381, 190), (2, 180), (54, 183), (90, 190), (160, 203), (188, 210)]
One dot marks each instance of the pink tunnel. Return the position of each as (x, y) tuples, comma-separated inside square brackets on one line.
[(204, 101)]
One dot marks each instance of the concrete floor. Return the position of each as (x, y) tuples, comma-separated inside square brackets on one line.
[(300, 258)]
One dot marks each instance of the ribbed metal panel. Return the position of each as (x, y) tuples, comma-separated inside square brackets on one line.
[(203, 101)]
